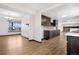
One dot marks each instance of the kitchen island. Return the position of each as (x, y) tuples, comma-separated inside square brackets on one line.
[(73, 43)]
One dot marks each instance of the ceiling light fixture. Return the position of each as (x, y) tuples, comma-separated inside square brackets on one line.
[(9, 18), (64, 16)]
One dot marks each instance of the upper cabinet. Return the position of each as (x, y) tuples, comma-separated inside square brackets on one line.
[(46, 21)]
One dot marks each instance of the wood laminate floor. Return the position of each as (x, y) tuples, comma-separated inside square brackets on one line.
[(17, 45)]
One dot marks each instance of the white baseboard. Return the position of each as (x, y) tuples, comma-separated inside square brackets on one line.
[(36, 40)]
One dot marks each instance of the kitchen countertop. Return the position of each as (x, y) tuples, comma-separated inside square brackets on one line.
[(73, 33), (49, 28)]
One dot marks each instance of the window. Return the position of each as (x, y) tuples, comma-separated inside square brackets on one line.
[(14, 26)]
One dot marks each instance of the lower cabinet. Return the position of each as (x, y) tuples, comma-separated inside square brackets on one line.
[(46, 34), (51, 34), (72, 45)]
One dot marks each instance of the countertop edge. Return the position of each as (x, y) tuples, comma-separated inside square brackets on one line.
[(72, 34)]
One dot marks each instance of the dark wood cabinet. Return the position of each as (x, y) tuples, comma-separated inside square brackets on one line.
[(46, 34), (50, 34), (72, 45), (66, 29), (46, 21)]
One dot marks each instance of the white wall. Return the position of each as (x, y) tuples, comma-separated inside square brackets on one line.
[(3, 26), (35, 27), (74, 21), (33, 31), (25, 28), (38, 29), (60, 24), (73, 29)]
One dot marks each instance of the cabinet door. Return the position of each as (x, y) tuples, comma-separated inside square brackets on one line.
[(68, 45), (46, 34), (46, 21)]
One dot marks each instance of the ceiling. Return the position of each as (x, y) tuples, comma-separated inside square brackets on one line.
[(29, 7), (24, 9), (66, 11), (54, 10)]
